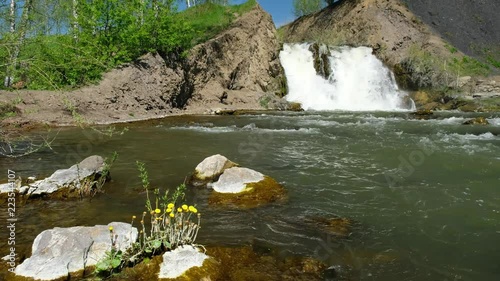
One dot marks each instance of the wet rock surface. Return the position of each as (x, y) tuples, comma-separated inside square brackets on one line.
[(62, 252), (65, 182)]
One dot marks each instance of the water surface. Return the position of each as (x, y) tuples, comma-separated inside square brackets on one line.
[(424, 195)]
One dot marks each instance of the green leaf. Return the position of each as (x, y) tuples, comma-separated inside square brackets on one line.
[(156, 244)]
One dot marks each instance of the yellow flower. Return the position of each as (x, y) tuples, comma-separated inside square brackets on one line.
[(110, 228), (185, 207), (191, 208), (133, 217), (179, 210), (157, 211), (172, 215), (194, 210), (169, 210), (170, 205)]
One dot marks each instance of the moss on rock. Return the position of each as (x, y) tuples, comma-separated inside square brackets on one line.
[(477, 121), (256, 194)]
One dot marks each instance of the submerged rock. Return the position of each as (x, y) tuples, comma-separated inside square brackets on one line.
[(63, 252), (422, 114), (341, 227), (477, 121), (211, 168), (65, 182)]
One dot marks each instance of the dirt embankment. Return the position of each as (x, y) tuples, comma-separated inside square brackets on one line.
[(234, 70)]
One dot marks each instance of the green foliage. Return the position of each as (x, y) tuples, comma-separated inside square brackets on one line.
[(207, 20), (111, 263), (493, 61), (306, 7), (7, 110), (451, 48), (428, 70), (108, 33)]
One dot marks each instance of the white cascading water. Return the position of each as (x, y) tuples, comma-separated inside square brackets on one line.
[(359, 81)]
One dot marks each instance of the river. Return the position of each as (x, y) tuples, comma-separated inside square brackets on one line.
[(423, 194)]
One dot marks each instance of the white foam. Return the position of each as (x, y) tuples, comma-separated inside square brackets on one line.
[(359, 81)]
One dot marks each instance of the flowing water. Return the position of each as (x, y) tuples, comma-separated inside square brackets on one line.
[(424, 195), (358, 80)]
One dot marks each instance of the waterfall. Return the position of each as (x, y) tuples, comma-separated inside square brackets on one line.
[(356, 80)]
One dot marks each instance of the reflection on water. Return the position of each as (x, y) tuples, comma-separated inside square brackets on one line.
[(439, 220)]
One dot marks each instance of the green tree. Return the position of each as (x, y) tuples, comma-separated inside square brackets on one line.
[(306, 7)]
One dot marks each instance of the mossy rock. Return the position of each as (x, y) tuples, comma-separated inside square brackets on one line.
[(337, 226), (294, 106), (254, 195), (469, 107), (477, 121), (422, 114), (421, 97)]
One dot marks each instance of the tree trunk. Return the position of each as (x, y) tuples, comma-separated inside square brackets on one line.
[(12, 16), (75, 20), (11, 68)]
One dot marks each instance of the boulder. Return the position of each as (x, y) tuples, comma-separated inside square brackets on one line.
[(245, 188), (179, 261), (235, 186), (68, 182), (477, 121), (62, 252), (235, 180), (211, 167)]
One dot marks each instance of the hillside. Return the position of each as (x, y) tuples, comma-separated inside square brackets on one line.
[(472, 26)]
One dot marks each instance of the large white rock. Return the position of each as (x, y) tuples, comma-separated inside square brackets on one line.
[(235, 180), (211, 167), (58, 252), (177, 262), (64, 178)]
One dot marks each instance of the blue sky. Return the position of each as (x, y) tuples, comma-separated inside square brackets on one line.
[(281, 10)]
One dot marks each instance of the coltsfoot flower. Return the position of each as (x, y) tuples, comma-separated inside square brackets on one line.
[(170, 205), (110, 228), (185, 207), (172, 215), (157, 211), (179, 210)]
